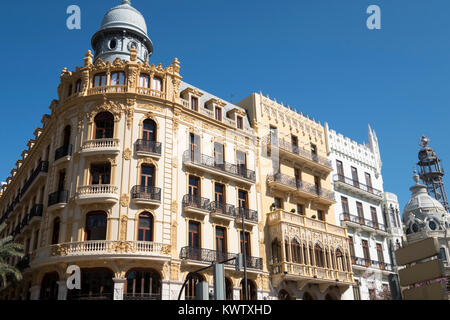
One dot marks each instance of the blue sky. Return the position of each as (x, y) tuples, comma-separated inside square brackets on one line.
[(315, 55)]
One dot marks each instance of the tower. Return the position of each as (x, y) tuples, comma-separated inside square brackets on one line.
[(123, 27), (431, 172)]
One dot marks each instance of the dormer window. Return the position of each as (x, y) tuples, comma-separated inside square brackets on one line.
[(157, 84), (218, 114), (144, 81), (194, 103), (239, 122), (117, 78), (100, 80)]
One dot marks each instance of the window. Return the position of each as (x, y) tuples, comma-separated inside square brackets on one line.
[(241, 161), (313, 149), (276, 251), (66, 136), (157, 84), (194, 103), (352, 246), (36, 238), (221, 243), (100, 173), (243, 199), (194, 145), (380, 253), (218, 114), (317, 183), (240, 122), (251, 290), (369, 182), (99, 80), (319, 256), (320, 215), (344, 202), (442, 255), (69, 91), (355, 177), (147, 175), (218, 154), (219, 193), (273, 135), (104, 125), (145, 227), (149, 130), (144, 81), (301, 209), (296, 252), (78, 86), (356, 291), (95, 226), (117, 78), (294, 143), (297, 174), (278, 203), (373, 212), (340, 170), (340, 260), (55, 234), (61, 180), (360, 211), (366, 252), (143, 283), (194, 186), (194, 234), (245, 242), (194, 279)]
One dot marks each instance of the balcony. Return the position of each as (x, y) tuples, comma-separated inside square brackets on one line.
[(225, 170), (223, 211), (206, 256), (58, 200), (250, 216), (150, 92), (196, 205), (38, 174), (104, 248), (282, 182), (282, 222), (100, 193), (145, 195), (107, 89), (145, 148), (355, 187), (63, 154), (324, 196), (101, 146), (36, 213), (298, 154), (362, 263), (353, 221)]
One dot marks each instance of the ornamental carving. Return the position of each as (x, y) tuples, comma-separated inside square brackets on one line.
[(127, 154), (123, 247), (174, 206), (165, 249), (107, 106), (124, 200), (174, 272), (130, 115), (59, 250), (132, 75), (123, 228)]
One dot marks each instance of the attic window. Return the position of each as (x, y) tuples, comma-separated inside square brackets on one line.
[(240, 122)]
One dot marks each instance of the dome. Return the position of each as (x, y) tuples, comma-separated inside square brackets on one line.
[(124, 16)]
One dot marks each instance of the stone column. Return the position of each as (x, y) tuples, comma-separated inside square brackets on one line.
[(35, 292), (62, 290), (237, 293), (165, 290), (118, 288)]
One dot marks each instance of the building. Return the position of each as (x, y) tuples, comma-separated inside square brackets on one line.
[(308, 255), (136, 177), (371, 216)]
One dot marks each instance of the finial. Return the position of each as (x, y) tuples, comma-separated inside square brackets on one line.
[(424, 141), (416, 176), (88, 58), (133, 54), (126, 2)]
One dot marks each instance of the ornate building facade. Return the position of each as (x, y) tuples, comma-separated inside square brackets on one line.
[(307, 254), (371, 216), (136, 177)]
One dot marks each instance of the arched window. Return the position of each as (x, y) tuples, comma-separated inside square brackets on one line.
[(333, 263), (276, 251), (340, 260), (149, 130), (319, 255), (327, 259), (286, 250), (296, 251), (78, 86), (55, 233), (96, 284), (229, 289), (190, 292), (143, 285), (49, 287), (104, 126), (157, 84), (95, 228), (145, 227), (311, 255), (147, 177), (251, 289), (305, 254)]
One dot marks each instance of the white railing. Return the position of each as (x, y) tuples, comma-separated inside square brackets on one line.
[(100, 144), (98, 189), (107, 89), (150, 92), (105, 247), (207, 112), (310, 271), (185, 103)]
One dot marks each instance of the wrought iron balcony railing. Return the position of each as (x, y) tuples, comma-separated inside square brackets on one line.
[(249, 215), (301, 185), (146, 192), (364, 262), (357, 184), (58, 197), (196, 202), (283, 179), (63, 151), (363, 221), (294, 149), (223, 208), (211, 163), (210, 256), (42, 167), (36, 211), (149, 146)]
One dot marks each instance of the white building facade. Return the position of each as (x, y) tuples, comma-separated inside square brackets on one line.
[(358, 186)]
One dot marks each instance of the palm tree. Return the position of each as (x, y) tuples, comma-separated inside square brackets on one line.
[(8, 249)]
